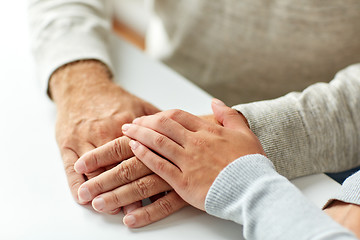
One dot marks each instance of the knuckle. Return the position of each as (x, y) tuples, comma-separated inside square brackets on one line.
[(175, 113), (159, 166), (98, 185), (124, 173), (141, 189), (147, 216), (213, 130), (115, 199), (165, 206), (143, 186), (162, 120), (92, 161), (117, 149), (75, 184), (69, 169), (159, 140)]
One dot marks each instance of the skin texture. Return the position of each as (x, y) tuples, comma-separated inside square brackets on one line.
[(187, 161), (129, 181), (346, 214), (90, 111), (188, 152)]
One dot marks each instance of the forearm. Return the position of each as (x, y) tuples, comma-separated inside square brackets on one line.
[(250, 192), (317, 129), (78, 79)]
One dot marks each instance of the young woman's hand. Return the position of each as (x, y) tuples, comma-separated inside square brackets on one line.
[(189, 152)]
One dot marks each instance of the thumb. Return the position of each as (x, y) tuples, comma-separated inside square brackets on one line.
[(228, 117)]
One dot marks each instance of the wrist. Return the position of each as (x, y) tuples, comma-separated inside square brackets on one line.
[(346, 214), (244, 119), (78, 78)]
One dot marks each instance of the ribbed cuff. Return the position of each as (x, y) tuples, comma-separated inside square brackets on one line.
[(279, 127), (233, 182), (349, 191)]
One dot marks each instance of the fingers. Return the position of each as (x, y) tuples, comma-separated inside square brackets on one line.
[(110, 153), (164, 125), (187, 120), (228, 117), (83, 148), (132, 192), (105, 133), (162, 167), (155, 211), (154, 140), (120, 175), (74, 179)]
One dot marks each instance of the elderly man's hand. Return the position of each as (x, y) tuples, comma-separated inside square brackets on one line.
[(90, 112), (126, 183)]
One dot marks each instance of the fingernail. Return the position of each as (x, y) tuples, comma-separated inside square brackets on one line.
[(84, 194), (133, 144), (125, 127), (80, 167), (98, 204), (218, 102), (129, 220)]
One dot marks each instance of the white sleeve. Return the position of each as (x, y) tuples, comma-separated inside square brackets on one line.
[(250, 192), (64, 31), (349, 191)]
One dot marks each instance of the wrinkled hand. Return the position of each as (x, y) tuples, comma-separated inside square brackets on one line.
[(128, 182), (90, 111), (346, 214), (190, 151)]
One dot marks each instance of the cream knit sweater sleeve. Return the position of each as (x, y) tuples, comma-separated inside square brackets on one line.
[(317, 130), (64, 31)]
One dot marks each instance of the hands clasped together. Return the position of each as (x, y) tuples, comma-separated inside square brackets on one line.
[(91, 110), (175, 152)]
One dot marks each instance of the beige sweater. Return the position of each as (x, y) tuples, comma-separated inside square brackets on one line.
[(241, 51), (246, 50)]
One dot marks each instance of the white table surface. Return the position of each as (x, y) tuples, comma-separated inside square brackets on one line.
[(35, 201)]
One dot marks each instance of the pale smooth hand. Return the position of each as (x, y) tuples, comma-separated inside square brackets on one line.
[(189, 152)]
